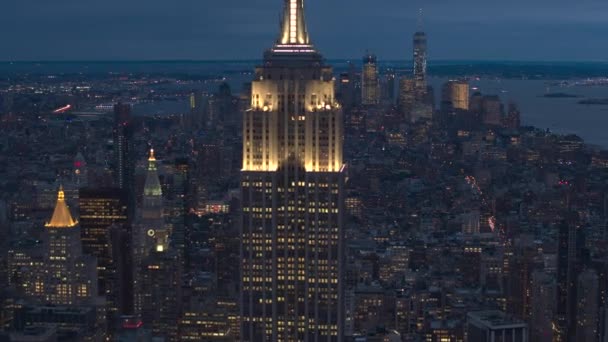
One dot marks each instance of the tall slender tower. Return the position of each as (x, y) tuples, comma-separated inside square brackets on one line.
[(370, 86), (420, 61), (292, 189), (150, 234), (152, 208)]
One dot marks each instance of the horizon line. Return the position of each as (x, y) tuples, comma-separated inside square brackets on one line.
[(244, 60)]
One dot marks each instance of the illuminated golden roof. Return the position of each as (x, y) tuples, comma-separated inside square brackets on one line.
[(61, 216)]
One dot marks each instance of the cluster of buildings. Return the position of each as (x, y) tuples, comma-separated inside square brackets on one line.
[(308, 207)]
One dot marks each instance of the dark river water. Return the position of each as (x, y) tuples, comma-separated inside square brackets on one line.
[(560, 115)]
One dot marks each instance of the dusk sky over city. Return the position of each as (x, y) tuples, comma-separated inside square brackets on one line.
[(206, 30)]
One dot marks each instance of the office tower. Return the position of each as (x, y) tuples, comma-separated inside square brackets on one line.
[(493, 325), (407, 96), (124, 163), (513, 118), (471, 265), (388, 87), (106, 234), (587, 306), (205, 326), (161, 289), (346, 90), (455, 95), (180, 200), (370, 85), (420, 46), (198, 108), (292, 195), (476, 103), (491, 109), (569, 244), (223, 108), (67, 277), (149, 230)]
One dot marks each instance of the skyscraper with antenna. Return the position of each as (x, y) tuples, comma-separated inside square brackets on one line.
[(420, 59), (292, 184)]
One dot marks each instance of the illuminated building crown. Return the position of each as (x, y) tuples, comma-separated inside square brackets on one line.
[(293, 37), (62, 218), (152, 186)]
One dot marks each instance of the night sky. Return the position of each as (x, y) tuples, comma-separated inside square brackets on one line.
[(242, 29)]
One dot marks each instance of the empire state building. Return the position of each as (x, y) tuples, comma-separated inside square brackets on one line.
[(292, 188)]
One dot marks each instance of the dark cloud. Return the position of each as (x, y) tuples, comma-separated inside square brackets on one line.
[(242, 29)]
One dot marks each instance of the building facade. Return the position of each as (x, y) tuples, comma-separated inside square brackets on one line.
[(370, 85), (420, 58), (292, 191)]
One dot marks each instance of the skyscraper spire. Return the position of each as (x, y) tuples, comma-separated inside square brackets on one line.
[(293, 25), (62, 218), (420, 24), (152, 186)]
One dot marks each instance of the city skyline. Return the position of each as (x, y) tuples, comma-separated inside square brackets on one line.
[(297, 198), (98, 31)]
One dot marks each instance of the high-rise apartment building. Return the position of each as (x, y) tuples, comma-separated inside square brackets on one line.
[(370, 84), (292, 194)]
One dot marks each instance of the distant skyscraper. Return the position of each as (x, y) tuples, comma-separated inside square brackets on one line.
[(152, 209), (513, 118), (370, 86), (569, 244), (198, 107), (149, 232), (407, 96), (388, 89), (346, 90), (292, 195), (455, 95), (222, 109), (124, 163), (491, 108), (420, 56)]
